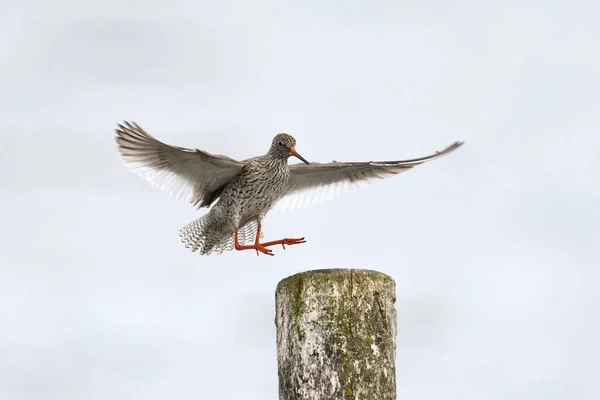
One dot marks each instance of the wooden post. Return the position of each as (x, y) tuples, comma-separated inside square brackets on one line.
[(336, 335)]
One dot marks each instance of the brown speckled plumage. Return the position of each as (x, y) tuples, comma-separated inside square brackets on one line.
[(243, 203), (242, 192)]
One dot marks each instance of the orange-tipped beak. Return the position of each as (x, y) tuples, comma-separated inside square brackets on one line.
[(294, 153)]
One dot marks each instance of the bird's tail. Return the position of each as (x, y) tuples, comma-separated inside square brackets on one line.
[(208, 235)]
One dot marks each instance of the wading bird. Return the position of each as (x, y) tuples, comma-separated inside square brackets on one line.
[(244, 191)]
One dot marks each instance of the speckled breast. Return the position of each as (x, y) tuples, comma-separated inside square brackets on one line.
[(261, 191)]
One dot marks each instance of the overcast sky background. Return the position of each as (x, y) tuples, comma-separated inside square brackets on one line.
[(495, 249)]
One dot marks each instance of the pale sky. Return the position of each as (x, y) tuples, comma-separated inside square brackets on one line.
[(495, 248)]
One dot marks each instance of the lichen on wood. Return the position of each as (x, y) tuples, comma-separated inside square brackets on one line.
[(336, 335)]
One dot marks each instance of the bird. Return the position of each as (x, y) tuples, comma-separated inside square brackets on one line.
[(239, 193)]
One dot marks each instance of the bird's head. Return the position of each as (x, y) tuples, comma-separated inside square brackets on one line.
[(284, 146)]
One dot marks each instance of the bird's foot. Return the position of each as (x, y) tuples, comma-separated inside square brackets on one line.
[(284, 242), (257, 246)]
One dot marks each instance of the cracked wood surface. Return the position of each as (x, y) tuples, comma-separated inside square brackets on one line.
[(336, 335)]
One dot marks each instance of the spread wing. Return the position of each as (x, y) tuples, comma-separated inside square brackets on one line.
[(194, 176), (315, 183)]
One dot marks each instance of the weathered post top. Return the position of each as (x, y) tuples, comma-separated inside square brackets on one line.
[(336, 335)]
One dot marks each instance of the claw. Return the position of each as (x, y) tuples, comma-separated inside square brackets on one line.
[(262, 249)]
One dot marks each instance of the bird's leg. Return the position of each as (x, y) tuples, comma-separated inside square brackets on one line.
[(284, 242), (256, 246)]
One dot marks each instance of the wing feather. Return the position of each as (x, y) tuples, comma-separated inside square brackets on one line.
[(186, 174), (316, 183)]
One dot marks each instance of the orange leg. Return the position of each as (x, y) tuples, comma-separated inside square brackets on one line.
[(256, 246), (283, 242), (262, 247)]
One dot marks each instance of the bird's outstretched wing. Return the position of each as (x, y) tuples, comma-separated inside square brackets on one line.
[(194, 176), (315, 183)]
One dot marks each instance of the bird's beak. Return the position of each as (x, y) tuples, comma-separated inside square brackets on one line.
[(294, 153)]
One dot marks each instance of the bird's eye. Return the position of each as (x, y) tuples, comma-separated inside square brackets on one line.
[(280, 143)]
